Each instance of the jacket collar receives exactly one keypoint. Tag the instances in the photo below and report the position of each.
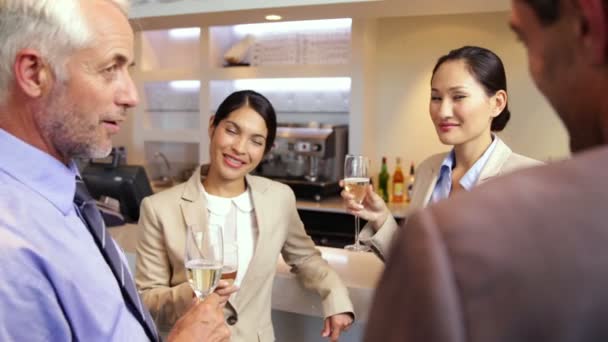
(192, 191)
(492, 168)
(495, 162)
(193, 208)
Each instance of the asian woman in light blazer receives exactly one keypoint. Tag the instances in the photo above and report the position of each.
(468, 103)
(261, 211)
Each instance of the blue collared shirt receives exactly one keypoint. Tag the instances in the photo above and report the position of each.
(468, 181)
(56, 285)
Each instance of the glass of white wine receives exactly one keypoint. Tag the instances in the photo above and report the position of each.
(204, 258)
(231, 262)
(356, 180)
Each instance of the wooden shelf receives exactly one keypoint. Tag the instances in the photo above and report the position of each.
(167, 75)
(280, 71)
(177, 136)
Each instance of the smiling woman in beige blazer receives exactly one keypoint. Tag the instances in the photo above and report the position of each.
(468, 103)
(262, 212)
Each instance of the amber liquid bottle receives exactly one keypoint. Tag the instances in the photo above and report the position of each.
(398, 184)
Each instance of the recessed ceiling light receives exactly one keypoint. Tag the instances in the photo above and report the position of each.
(273, 17)
(185, 85)
(293, 26)
(185, 33)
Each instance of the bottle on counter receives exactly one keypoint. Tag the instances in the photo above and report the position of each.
(398, 183)
(410, 183)
(383, 181)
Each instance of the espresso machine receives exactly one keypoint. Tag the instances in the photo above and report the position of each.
(309, 158)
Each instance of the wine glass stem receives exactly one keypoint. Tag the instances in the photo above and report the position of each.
(357, 233)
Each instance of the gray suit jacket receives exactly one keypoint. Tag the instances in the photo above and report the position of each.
(161, 276)
(522, 258)
(501, 161)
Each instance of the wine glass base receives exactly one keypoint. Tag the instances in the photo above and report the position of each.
(357, 248)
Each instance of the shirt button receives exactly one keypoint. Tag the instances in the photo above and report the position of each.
(231, 320)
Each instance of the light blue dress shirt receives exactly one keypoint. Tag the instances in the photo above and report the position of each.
(468, 181)
(56, 285)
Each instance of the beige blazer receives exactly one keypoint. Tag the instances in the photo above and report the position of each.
(501, 161)
(161, 277)
(522, 258)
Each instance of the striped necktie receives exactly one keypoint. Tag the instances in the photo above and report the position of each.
(90, 215)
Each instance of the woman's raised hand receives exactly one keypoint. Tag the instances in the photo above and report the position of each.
(372, 209)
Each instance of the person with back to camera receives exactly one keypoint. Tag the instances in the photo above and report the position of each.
(468, 103)
(65, 89)
(522, 258)
(263, 214)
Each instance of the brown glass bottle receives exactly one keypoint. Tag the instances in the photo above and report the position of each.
(410, 183)
(398, 183)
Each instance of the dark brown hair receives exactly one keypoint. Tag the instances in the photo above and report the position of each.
(547, 11)
(487, 68)
(255, 101)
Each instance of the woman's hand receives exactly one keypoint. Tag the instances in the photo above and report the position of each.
(373, 209)
(335, 325)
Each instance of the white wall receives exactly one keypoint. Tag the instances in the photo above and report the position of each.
(396, 103)
(407, 49)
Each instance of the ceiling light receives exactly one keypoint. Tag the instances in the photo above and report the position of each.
(185, 33)
(273, 17)
(185, 85)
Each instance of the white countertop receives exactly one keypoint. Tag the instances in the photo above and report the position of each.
(359, 270)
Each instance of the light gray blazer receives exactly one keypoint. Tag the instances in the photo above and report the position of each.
(501, 161)
(161, 277)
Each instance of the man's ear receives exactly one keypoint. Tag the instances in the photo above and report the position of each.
(593, 30)
(32, 74)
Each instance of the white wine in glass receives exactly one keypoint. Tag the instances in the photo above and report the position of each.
(356, 187)
(203, 276)
(204, 258)
(356, 181)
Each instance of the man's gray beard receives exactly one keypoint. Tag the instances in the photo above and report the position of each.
(92, 153)
(58, 123)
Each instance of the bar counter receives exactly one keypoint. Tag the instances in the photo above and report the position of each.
(359, 271)
(335, 205)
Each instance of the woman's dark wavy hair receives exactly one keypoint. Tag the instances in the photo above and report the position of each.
(487, 68)
(255, 101)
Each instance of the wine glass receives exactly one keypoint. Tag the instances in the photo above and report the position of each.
(231, 262)
(356, 181)
(204, 258)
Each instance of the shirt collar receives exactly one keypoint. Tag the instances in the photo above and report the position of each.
(221, 205)
(470, 178)
(39, 171)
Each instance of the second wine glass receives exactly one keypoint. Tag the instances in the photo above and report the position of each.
(231, 262)
(204, 258)
(356, 180)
